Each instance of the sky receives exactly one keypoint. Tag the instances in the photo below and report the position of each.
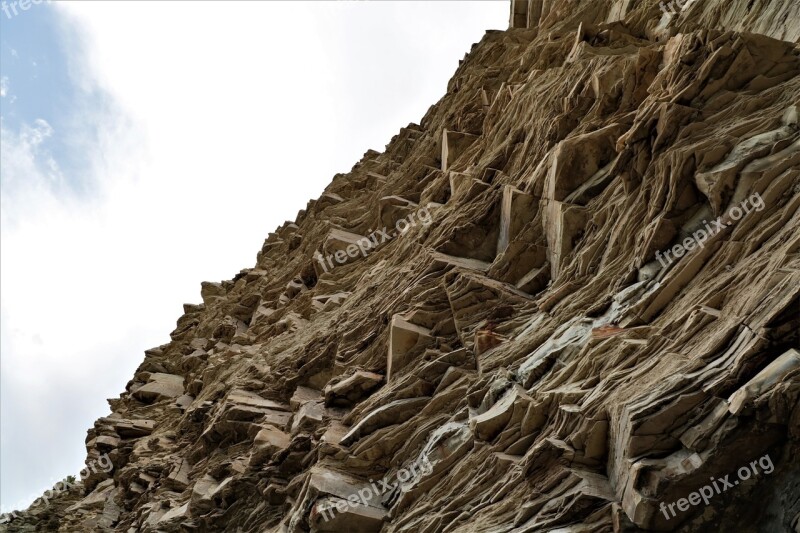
(149, 146)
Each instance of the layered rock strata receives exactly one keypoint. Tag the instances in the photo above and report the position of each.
(599, 316)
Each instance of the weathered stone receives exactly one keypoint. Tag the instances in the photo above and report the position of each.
(327, 516)
(490, 423)
(303, 395)
(454, 144)
(238, 417)
(133, 428)
(336, 503)
(393, 208)
(308, 417)
(178, 477)
(184, 401)
(250, 399)
(97, 498)
(393, 413)
(573, 342)
(404, 337)
(518, 209)
(350, 390)
(202, 495)
(160, 387)
(105, 442)
(175, 514)
(564, 223)
(340, 247)
(765, 381)
(271, 439)
(210, 291)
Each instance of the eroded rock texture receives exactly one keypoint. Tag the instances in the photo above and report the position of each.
(523, 339)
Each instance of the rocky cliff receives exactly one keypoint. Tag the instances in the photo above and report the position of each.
(567, 300)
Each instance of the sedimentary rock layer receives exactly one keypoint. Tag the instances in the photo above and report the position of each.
(566, 300)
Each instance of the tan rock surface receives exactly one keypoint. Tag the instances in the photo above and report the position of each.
(530, 344)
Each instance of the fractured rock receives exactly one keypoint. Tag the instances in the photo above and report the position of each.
(350, 390)
(567, 344)
(160, 387)
(268, 441)
(774, 373)
(490, 423)
(404, 338)
(454, 144)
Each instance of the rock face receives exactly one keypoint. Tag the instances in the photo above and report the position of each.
(587, 320)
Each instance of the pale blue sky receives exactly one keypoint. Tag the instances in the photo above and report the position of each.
(149, 146)
(35, 53)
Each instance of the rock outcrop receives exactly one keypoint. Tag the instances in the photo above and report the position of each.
(582, 309)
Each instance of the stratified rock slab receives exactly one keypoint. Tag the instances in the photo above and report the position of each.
(599, 319)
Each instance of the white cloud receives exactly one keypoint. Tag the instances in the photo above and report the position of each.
(3, 86)
(230, 117)
(28, 169)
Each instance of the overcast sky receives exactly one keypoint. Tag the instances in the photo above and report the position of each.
(149, 146)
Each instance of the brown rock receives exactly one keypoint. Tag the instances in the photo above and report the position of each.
(566, 343)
